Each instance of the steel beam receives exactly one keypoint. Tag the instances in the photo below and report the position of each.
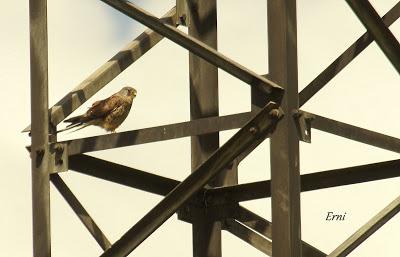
(284, 153)
(80, 211)
(345, 58)
(249, 236)
(152, 183)
(258, 99)
(309, 182)
(368, 229)
(107, 72)
(40, 154)
(155, 134)
(122, 175)
(261, 126)
(374, 24)
(203, 76)
(264, 227)
(199, 48)
(356, 133)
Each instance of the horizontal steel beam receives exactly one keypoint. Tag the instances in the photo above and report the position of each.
(250, 191)
(121, 174)
(160, 133)
(80, 211)
(309, 182)
(261, 126)
(356, 133)
(264, 227)
(345, 58)
(249, 236)
(374, 24)
(200, 49)
(162, 186)
(107, 72)
(138, 179)
(368, 229)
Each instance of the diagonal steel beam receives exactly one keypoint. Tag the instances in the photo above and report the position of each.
(249, 236)
(368, 229)
(80, 211)
(309, 182)
(356, 133)
(160, 133)
(261, 126)
(374, 24)
(107, 72)
(156, 184)
(152, 183)
(200, 49)
(264, 227)
(121, 174)
(345, 58)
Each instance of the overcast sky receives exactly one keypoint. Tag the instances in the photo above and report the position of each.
(85, 34)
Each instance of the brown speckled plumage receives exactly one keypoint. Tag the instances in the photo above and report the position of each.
(108, 113)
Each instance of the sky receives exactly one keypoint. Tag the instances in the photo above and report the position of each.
(85, 34)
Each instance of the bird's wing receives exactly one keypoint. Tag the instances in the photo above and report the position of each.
(102, 108)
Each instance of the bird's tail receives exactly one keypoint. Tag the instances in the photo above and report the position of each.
(76, 122)
(70, 126)
(78, 126)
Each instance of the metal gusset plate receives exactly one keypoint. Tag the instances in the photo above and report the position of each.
(303, 125)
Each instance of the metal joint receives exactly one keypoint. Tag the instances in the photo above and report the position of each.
(59, 155)
(303, 125)
(39, 157)
(192, 212)
(194, 208)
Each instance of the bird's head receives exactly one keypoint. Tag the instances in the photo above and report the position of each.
(128, 91)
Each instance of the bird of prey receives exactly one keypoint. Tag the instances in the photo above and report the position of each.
(107, 114)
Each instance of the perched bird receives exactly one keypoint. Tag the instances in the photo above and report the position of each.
(107, 114)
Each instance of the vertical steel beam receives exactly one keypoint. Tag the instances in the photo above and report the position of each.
(206, 234)
(285, 175)
(41, 164)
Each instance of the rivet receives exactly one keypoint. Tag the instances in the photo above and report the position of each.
(253, 130)
(274, 113)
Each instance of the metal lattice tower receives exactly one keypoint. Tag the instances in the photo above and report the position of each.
(275, 113)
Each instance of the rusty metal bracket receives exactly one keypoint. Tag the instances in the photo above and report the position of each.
(303, 124)
(59, 155)
(182, 13)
